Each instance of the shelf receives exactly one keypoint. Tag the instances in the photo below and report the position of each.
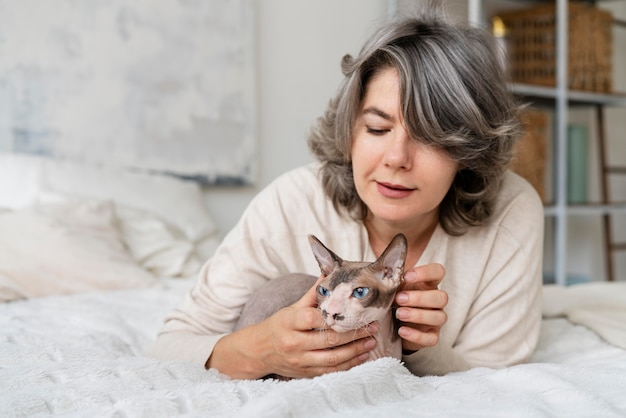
(549, 94)
(588, 209)
(560, 99)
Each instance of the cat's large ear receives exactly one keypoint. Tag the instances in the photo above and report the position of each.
(390, 264)
(326, 259)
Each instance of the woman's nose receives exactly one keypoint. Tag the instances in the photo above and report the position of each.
(398, 152)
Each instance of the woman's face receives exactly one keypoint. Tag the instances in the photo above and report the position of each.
(401, 180)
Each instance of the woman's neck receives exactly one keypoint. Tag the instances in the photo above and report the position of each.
(418, 235)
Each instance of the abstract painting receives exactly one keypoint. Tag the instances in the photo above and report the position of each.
(153, 85)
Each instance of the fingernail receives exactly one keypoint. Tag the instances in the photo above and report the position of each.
(410, 276)
(364, 357)
(402, 313)
(370, 344)
(404, 332)
(402, 297)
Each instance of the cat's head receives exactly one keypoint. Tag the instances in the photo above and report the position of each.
(353, 294)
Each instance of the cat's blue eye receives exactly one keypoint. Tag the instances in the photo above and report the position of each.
(323, 291)
(360, 292)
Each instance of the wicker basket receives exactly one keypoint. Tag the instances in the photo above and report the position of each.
(531, 46)
(529, 158)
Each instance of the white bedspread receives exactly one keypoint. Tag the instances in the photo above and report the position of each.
(600, 306)
(82, 355)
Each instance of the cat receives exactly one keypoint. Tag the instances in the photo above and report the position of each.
(351, 294)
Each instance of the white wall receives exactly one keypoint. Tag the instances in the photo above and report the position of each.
(300, 44)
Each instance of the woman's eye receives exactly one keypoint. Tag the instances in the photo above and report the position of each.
(323, 291)
(377, 132)
(360, 292)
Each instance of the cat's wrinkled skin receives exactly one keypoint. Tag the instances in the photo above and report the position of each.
(351, 294)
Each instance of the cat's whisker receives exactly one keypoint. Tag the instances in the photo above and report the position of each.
(366, 328)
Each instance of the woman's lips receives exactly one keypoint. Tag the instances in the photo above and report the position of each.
(393, 191)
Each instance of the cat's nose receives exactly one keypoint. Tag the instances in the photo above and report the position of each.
(334, 316)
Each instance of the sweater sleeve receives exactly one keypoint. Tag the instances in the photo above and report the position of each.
(494, 307)
(269, 241)
(503, 324)
(259, 248)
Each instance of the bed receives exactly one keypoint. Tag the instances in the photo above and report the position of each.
(87, 274)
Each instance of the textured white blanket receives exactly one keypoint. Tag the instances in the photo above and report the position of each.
(600, 306)
(82, 355)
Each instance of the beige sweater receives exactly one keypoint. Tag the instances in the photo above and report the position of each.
(493, 274)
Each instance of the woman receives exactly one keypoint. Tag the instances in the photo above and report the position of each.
(416, 141)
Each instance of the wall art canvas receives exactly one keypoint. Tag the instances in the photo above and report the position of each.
(154, 85)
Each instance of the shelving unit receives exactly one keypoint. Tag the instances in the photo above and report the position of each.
(574, 97)
(597, 101)
(562, 99)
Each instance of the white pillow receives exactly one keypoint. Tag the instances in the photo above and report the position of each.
(157, 246)
(59, 249)
(178, 202)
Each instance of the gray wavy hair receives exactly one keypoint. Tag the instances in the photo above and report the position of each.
(454, 97)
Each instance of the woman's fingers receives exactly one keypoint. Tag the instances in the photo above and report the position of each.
(313, 352)
(428, 299)
(426, 277)
(302, 346)
(416, 337)
(310, 323)
(427, 317)
(303, 319)
(420, 327)
(345, 357)
(420, 305)
(338, 358)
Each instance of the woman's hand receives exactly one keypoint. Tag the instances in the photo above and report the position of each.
(291, 343)
(420, 307)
